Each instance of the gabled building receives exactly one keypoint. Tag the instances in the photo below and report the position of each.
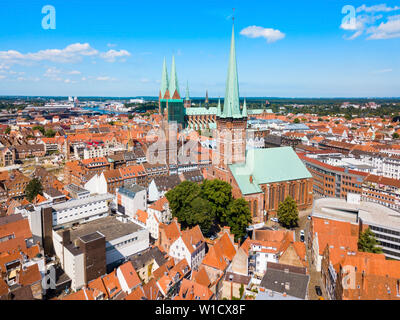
(188, 244)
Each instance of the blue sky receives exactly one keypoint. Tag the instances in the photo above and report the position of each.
(284, 48)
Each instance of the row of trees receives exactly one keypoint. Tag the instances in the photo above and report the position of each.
(209, 205)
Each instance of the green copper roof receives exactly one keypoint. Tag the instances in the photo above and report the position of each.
(258, 111)
(219, 108)
(164, 79)
(244, 111)
(267, 166)
(231, 101)
(195, 111)
(173, 84)
(187, 91)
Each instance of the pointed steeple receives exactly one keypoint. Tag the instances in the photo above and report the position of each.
(244, 110)
(173, 84)
(187, 91)
(164, 80)
(231, 101)
(219, 108)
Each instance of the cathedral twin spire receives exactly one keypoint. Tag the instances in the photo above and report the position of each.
(171, 86)
(231, 102)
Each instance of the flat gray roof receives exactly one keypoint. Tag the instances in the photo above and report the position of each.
(79, 202)
(368, 212)
(109, 226)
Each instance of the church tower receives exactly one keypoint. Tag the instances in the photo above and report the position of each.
(171, 105)
(187, 102)
(231, 121)
(164, 93)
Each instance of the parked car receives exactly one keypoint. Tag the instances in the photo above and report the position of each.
(275, 219)
(309, 217)
(318, 291)
(302, 232)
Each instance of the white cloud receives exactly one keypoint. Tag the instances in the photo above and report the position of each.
(2, 77)
(361, 23)
(377, 8)
(382, 71)
(271, 35)
(56, 74)
(386, 30)
(70, 54)
(105, 78)
(112, 54)
(51, 72)
(111, 45)
(366, 23)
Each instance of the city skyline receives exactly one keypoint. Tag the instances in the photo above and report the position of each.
(105, 51)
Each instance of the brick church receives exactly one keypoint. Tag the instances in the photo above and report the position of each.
(263, 177)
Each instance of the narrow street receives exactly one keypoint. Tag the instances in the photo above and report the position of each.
(315, 276)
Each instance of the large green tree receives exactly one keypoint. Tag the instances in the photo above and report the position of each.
(201, 213)
(209, 205)
(219, 194)
(50, 133)
(239, 217)
(33, 188)
(368, 243)
(288, 214)
(180, 199)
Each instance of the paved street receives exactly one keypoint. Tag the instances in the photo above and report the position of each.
(315, 277)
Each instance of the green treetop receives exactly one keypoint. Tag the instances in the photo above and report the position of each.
(288, 214)
(368, 243)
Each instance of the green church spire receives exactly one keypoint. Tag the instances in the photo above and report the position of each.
(187, 91)
(231, 101)
(173, 85)
(164, 80)
(244, 110)
(219, 108)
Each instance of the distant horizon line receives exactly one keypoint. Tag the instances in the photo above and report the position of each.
(191, 98)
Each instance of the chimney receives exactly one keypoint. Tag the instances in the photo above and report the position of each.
(66, 237)
(76, 242)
